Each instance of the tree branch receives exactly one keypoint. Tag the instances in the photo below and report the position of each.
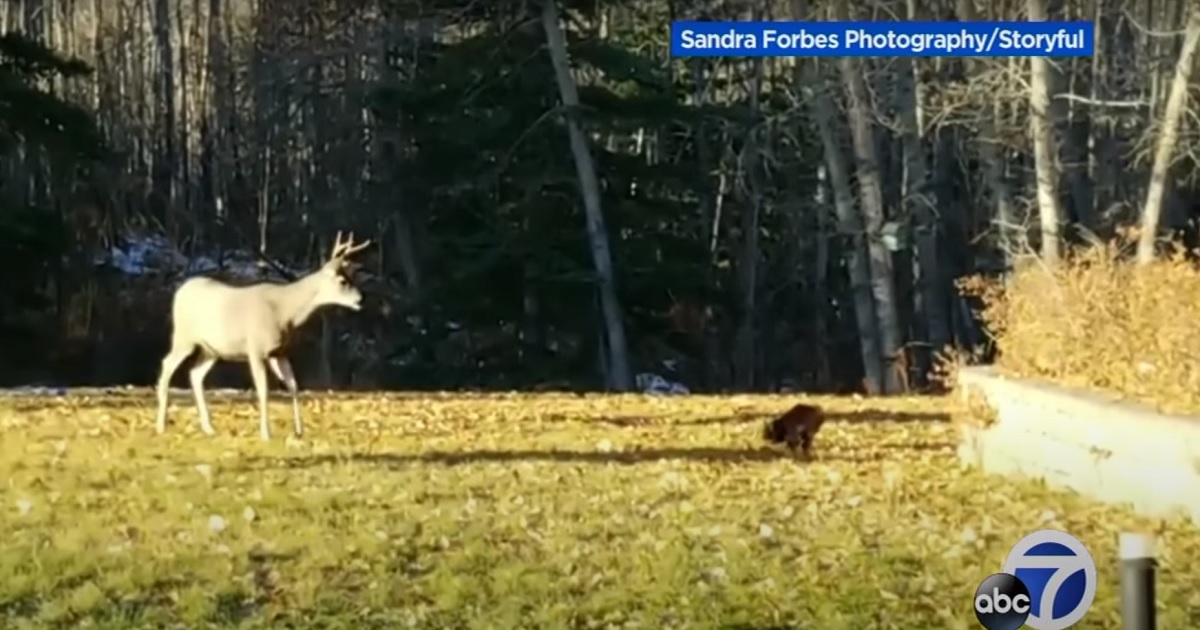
(1097, 103)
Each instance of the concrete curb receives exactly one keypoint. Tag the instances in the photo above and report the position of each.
(1100, 446)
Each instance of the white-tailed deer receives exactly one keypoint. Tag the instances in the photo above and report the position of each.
(250, 324)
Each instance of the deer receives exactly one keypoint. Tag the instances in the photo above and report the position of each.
(252, 324)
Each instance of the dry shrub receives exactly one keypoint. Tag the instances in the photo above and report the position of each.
(946, 364)
(1102, 323)
(965, 411)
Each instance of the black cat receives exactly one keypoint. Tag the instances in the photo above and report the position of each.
(797, 428)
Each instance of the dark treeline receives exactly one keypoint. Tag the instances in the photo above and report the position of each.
(555, 202)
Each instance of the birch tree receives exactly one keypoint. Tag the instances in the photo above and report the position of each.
(871, 204)
(922, 210)
(164, 157)
(1044, 147)
(850, 225)
(1168, 137)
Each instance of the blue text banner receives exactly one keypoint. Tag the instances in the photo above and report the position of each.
(882, 39)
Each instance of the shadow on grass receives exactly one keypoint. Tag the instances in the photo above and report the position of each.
(232, 606)
(25, 604)
(155, 596)
(120, 400)
(884, 416)
(639, 456)
(116, 400)
(46, 403)
(239, 604)
(746, 626)
(881, 416)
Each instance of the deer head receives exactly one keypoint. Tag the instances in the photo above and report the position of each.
(335, 285)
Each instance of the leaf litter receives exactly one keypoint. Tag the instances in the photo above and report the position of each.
(522, 511)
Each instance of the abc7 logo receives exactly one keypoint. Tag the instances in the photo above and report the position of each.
(1002, 602)
(1048, 570)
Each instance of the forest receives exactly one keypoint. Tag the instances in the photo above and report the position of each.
(555, 202)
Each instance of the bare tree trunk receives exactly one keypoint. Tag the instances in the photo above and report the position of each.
(820, 322)
(932, 307)
(1005, 217)
(164, 157)
(709, 191)
(744, 355)
(1072, 122)
(620, 377)
(703, 150)
(1077, 130)
(34, 20)
(1105, 159)
(1167, 139)
(1044, 147)
(851, 227)
(871, 204)
(214, 118)
(99, 85)
(188, 59)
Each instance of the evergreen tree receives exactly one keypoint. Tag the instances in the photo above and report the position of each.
(489, 162)
(43, 139)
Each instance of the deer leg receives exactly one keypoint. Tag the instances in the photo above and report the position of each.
(196, 376)
(283, 370)
(258, 373)
(170, 364)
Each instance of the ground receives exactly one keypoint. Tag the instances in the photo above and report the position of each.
(520, 511)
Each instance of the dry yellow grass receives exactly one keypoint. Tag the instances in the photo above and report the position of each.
(518, 511)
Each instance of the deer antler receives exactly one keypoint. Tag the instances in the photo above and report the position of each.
(343, 249)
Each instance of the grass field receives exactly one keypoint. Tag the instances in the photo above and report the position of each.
(519, 511)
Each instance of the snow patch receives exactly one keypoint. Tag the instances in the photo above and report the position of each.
(145, 254)
(655, 385)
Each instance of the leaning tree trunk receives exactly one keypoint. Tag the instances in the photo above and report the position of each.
(1152, 211)
(620, 376)
(851, 228)
(1044, 148)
